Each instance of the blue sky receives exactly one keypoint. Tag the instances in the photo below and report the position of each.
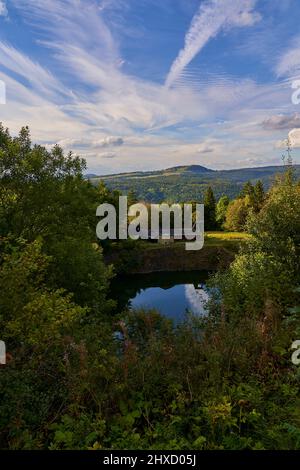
(148, 84)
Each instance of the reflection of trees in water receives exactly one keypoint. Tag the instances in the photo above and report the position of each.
(196, 297)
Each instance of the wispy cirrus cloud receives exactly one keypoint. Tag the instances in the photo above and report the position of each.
(3, 8)
(289, 61)
(212, 17)
(58, 18)
(31, 72)
(91, 59)
(100, 96)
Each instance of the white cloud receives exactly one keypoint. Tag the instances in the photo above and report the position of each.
(109, 141)
(281, 121)
(108, 155)
(212, 17)
(203, 149)
(294, 137)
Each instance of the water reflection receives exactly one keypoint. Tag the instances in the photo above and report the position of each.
(173, 294)
(196, 298)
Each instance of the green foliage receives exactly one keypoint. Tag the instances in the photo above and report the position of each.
(237, 214)
(248, 190)
(30, 312)
(259, 196)
(209, 209)
(221, 210)
(251, 200)
(254, 194)
(43, 194)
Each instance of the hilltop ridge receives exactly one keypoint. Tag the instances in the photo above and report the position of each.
(188, 182)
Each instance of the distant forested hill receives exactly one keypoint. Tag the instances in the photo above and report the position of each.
(188, 183)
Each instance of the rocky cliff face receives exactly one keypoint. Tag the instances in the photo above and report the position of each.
(171, 258)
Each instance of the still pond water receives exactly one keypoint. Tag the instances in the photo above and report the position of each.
(173, 294)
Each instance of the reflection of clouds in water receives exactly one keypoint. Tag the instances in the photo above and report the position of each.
(196, 299)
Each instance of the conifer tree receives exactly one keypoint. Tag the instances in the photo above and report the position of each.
(209, 209)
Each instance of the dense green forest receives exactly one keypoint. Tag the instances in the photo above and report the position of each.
(82, 375)
(188, 183)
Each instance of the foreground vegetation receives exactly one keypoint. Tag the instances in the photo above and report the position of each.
(80, 375)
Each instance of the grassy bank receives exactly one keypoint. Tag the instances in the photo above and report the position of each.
(225, 239)
(218, 239)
